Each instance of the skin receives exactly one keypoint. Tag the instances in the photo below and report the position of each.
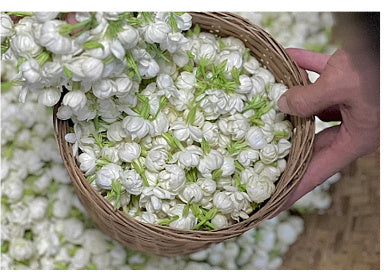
(347, 91)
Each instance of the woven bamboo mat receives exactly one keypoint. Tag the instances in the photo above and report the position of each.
(346, 236)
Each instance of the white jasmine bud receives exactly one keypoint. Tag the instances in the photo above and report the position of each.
(107, 174)
(186, 80)
(228, 167)
(172, 178)
(156, 32)
(210, 162)
(207, 185)
(246, 157)
(49, 96)
(123, 85)
(251, 65)
(223, 202)
(38, 208)
(24, 45)
(191, 193)
(235, 125)
(30, 70)
(129, 151)
(220, 221)
(255, 138)
(259, 87)
(104, 88)
(86, 68)
(110, 153)
(132, 182)
(190, 157)
(75, 100)
(137, 127)
(183, 131)
(156, 158)
(269, 153)
(52, 40)
(246, 84)
(183, 222)
(87, 161)
(259, 191)
(160, 124)
(265, 75)
(148, 68)
(115, 132)
(21, 249)
(213, 102)
(174, 42)
(211, 133)
(234, 59)
(283, 147)
(129, 37)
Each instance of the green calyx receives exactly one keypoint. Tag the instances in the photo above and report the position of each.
(218, 79)
(43, 57)
(162, 103)
(143, 107)
(136, 165)
(167, 221)
(132, 66)
(154, 50)
(92, 45)
(237, 146)
(173, 141)
(4, 246)
(5, 45)
(217, 174)
(280, 135)
(205, 147)
(5, 86)
(67, 72)
(204, 216)
(237, 183)
(191, 175)
(173, 22)
(116, 191)
(20, 13)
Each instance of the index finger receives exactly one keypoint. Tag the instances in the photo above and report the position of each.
(309, 60)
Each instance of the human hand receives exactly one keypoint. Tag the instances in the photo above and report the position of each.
(346, 91)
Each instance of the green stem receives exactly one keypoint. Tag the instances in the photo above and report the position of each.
(162, 102)
(136, 165)
(67, 29)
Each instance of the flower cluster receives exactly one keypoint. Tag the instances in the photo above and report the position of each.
(172, 125)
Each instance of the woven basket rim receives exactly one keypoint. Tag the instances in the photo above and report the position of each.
(304, 135)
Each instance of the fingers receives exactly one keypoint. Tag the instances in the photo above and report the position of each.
(307, 100)
(308, 60)
(331, 154)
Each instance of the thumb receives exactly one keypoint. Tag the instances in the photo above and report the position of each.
(307, 100)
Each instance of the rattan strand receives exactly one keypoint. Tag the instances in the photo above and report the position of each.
(167, 241)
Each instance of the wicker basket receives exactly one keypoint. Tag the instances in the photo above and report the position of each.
(167, 241)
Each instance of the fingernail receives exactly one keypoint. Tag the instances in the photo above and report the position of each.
(283, 104)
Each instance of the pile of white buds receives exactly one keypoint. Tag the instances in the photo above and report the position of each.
(172, 125)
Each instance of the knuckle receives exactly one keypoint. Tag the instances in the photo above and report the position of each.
(299, 105)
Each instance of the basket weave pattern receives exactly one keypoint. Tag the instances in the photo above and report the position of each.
(167, 241)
